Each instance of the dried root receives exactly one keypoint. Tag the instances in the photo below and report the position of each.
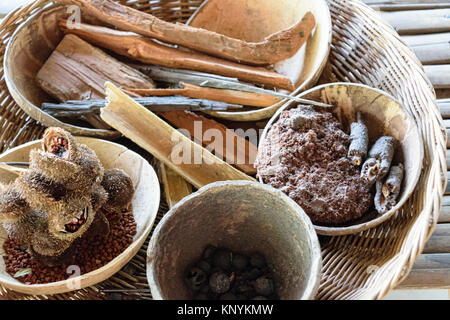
(388, 192)
(376, 167)
(359, 142)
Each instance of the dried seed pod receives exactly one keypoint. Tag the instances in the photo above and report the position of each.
(72, 219)
(64, 160)
(120, 189)
(377, 164)
(60, 143)
(388, 192)
(40, 192)
(99, 227)
(46, 244)
(359, 142)
(98, 198)
(21, 230)
(13, 205)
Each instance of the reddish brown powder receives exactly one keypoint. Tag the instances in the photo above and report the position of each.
(305, 156)
(91, 252)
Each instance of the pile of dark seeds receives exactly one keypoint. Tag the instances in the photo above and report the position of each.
(225, 275)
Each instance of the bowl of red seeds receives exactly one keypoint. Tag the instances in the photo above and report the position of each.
(92, 257)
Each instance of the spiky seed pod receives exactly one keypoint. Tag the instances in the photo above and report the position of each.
(120, 189)
(51, 261)
(72, 219)
(13, 205)
(99, 227)
(46, 244)
(22, 230)
(54, 168)
(59, 142)
(91, 169)
(98, 198)
(41, 193)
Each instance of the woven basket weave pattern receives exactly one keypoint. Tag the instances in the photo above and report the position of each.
(366, 50)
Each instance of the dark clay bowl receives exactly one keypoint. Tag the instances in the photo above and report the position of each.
(244, 217)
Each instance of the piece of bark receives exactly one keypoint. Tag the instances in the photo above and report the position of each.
(78, 71)
(233, 149)
(275, 48)
(190, 160)
(229, 96)
(175, 187)
(148, 51)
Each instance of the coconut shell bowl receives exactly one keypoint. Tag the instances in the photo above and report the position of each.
(383, 116)
(144, 205)
(242, 216)
(253, 20)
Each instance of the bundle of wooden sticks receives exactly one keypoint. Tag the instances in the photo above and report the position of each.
(208, 71)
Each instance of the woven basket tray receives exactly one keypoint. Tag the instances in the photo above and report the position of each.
(364, 50)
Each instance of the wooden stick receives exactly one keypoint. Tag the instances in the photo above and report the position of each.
(275, 48)
(146, 50)
(78, 108)
(225, 144)
(193, 162)
(229, 96)
(175, 187)
(201, 79)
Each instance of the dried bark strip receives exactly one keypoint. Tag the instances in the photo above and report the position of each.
(146, 50)
(233, 151)
(276, 47)
(229, 96)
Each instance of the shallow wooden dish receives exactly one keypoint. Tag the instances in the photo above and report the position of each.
(253, 20)
(145, 208)
(383, 115)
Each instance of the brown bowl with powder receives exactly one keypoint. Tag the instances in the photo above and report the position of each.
(350, 166)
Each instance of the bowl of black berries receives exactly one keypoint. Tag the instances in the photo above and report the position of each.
(234, 240)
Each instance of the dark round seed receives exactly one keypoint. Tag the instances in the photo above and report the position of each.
(263, 286)
(219, 282)
(257, 260)
(205, 266)
(240, 262)
(253, 274)
(195, 278)
(222, 259)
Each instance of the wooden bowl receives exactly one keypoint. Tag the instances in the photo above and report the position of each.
(242, 216)
(383, 115)
(253, 20)
(145, 207)
(30, 46)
